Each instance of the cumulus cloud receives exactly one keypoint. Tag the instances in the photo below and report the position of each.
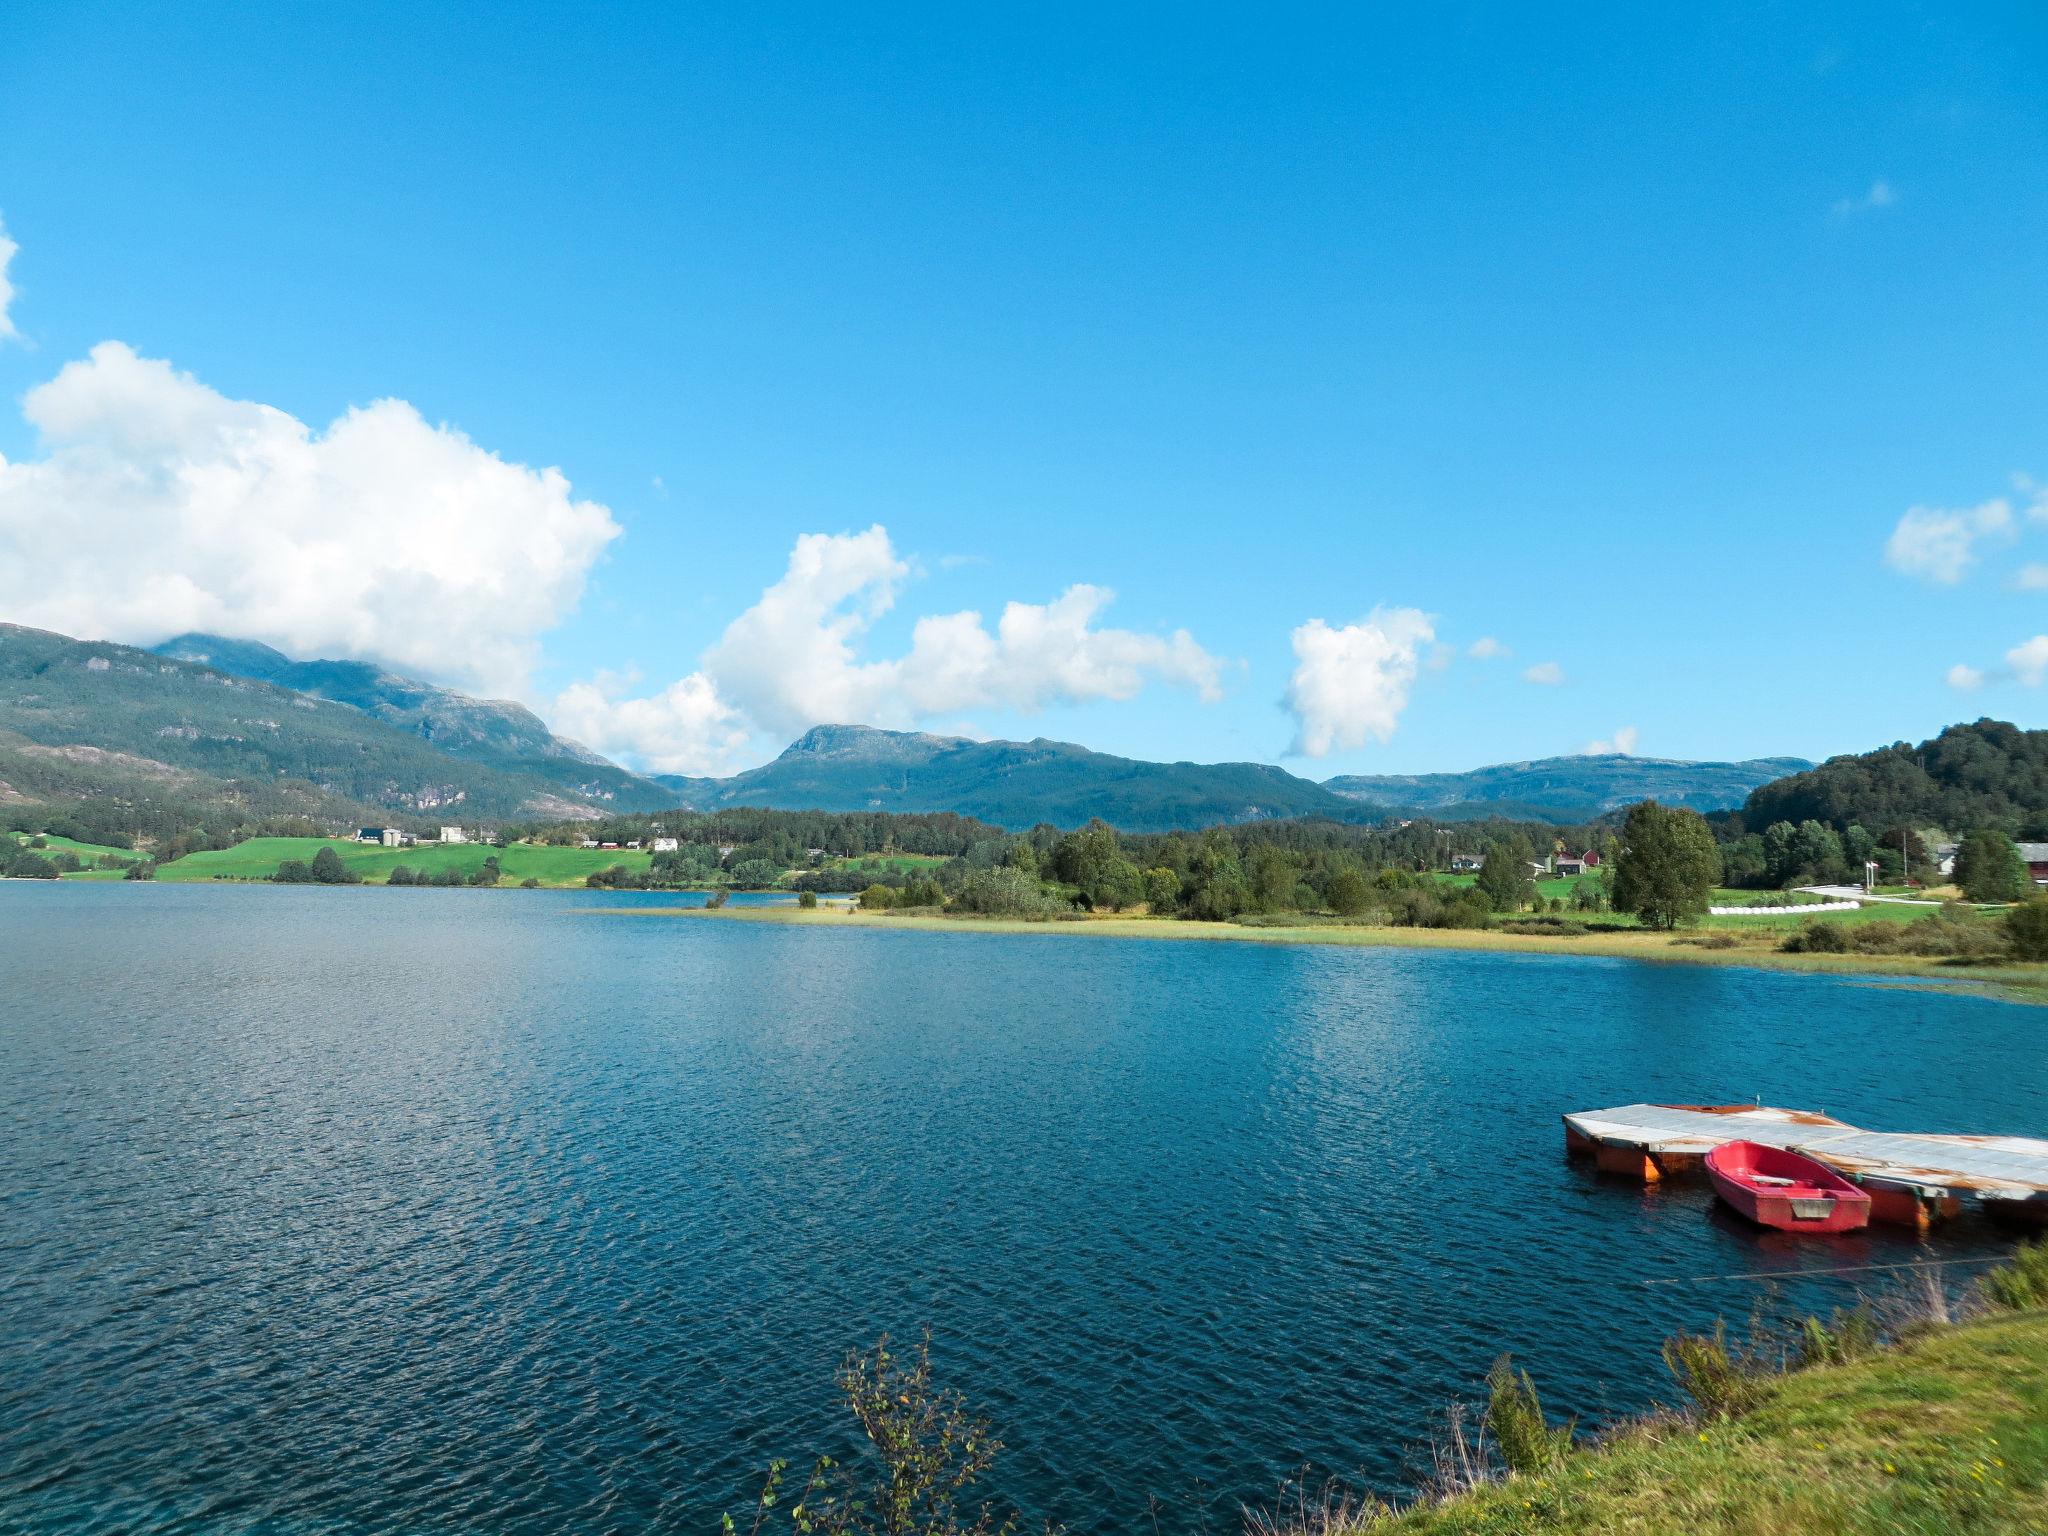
(1965, 679)
(795, 658)
(1547, 674)
(1880, 195)
(158, 504)
(685, 728)
(2029, 661)
(7, 252)
(1486, 648)
(1351, 684)
(1939, 544)
(1623, 744)
(2032, 577)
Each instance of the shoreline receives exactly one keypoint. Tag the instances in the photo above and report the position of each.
(2021, 983)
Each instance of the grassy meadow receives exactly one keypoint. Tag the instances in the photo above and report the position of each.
(258, 858)
(1946, 1433)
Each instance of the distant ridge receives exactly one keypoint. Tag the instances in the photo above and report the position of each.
(1012, 784)
(1015, 784)
(1569, 788)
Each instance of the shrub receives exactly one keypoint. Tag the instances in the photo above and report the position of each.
(401, 874)
(450, 876)
(808, 900)
(716, 900)
(141, 869)
(529, 884)
(929, 1448)
(1814, 937)
(1722, 1384)
(1514, 1416)
(878, 898)
(2026, 929)
(2021, 1285)
(1850, 1334)
(1007, 892)
(293, 872)
(488, 873)
(327, 869)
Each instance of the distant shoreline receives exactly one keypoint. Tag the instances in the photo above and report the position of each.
(2023, 983)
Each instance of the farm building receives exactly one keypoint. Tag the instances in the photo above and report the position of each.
(454, 835)
(1468, 863)
(666, 844)
(2036, 855)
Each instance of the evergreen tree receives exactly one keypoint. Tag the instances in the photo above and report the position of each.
(1989, 867)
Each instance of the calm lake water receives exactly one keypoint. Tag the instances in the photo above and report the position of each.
(367, 1210)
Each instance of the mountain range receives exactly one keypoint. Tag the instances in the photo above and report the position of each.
(206, 729)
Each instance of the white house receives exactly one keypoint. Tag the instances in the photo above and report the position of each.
(391, 837)
(454, 835)
(1468, 863)
(666, 844)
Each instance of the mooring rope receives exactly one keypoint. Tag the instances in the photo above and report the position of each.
(1801, 1274)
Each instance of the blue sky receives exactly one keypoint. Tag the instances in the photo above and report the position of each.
(1624, 340)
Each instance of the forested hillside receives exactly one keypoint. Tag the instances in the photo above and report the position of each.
(1985, 774)
(120, 742)
(496, 732)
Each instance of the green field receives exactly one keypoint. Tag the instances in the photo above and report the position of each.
(258, 858)
(90, 853)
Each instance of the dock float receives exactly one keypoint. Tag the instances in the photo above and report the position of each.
(1912, 1180)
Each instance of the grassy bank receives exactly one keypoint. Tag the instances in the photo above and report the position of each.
(2028, 983)
(1945, 1433)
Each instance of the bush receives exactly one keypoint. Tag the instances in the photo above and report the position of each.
(716, 900)
(928, 1451)
(328, 869)
(529, 884)
(2022, 1285)
(1722, 1384)
(141, 869)
(293, 872)
(450, 876)
(807, 900)
(1514, 1415)
(1814, 937)
(878, 898)
(1007, 892)
(488, 873)
(2026, 929)
(30, 866)
(401, 874)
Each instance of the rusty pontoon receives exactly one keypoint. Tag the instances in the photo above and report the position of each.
(1912, 1180)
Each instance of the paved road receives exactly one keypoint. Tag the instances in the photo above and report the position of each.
(1857, 893)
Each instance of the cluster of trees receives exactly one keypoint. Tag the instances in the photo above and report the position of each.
(326, 869)
(1813, 852)
(487, 873)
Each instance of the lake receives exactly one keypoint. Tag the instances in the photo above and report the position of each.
(374, 1210)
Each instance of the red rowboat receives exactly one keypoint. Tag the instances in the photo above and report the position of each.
(1781, 1189)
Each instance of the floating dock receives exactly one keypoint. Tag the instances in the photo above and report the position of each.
(1912, 1180)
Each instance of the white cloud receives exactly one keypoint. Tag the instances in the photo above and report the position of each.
(1486, 648)
(685, 728)
(1940, 543)
(1880, 195)
(2029, 661)
(1964, 679)
(7, 253)
(1546, 673)
(1622, 745)
(1351, 684)
(794, 660)
(159, 505)
(2031, 578)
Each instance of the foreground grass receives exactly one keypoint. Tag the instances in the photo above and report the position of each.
(2024, 983)
(258, 858)
(1944, 1434)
